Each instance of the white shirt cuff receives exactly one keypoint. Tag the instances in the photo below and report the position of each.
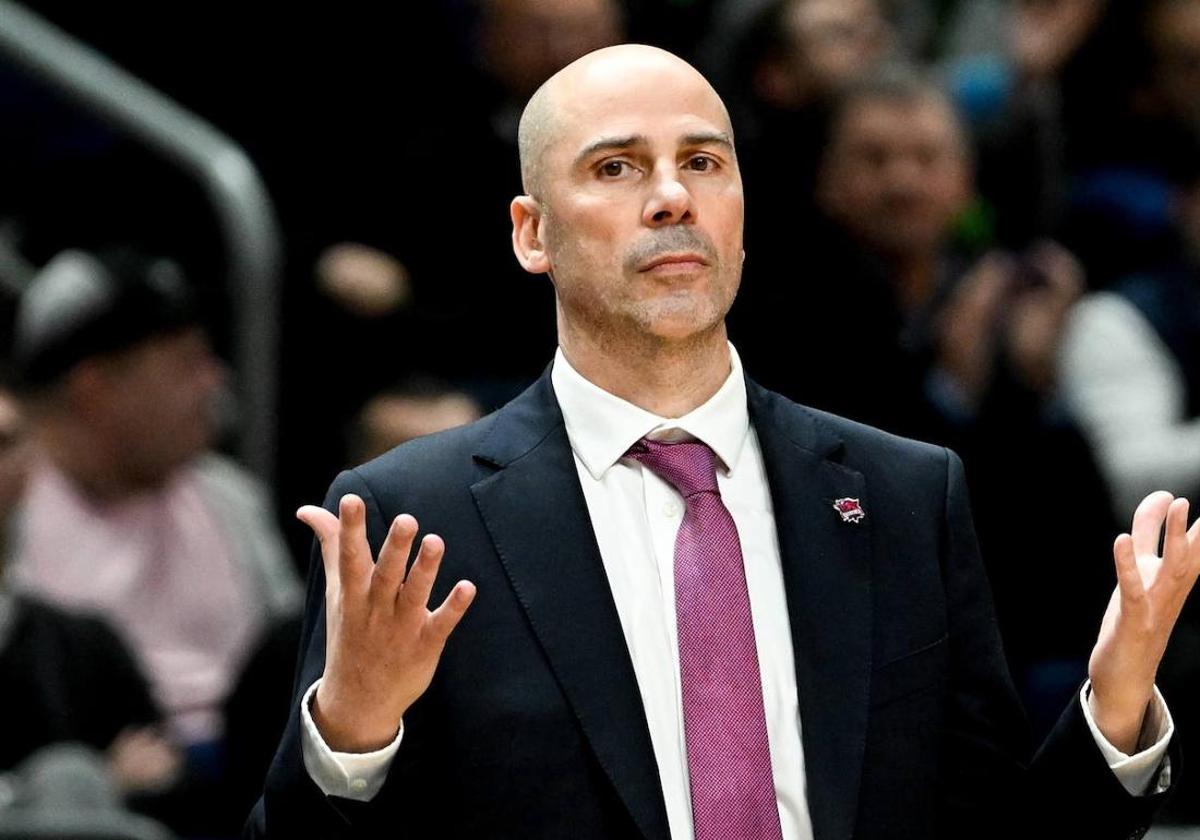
(1137, 772)
(357, 776)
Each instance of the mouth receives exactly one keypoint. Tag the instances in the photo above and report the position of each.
(675, 262)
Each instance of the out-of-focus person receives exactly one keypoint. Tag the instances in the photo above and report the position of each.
(52, 660)
(410, 409)
(789, 66)
(127, 511)
(1131, 364)
(921, 337)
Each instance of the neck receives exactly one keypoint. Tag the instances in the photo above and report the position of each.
(663, 377)
(915, 279)
(86, 463)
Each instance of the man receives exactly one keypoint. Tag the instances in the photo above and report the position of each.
(855, 669)
(125, 512)
(51, 661)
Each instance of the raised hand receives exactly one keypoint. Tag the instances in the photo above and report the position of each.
(1150, 594)
(382, 643)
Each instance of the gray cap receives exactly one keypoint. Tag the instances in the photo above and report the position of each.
(82, 305)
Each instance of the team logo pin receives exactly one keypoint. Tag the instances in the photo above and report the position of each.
(849, 509)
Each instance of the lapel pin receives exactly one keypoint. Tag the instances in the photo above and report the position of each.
(850, 510)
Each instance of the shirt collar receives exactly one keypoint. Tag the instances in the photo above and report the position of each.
(601, 426)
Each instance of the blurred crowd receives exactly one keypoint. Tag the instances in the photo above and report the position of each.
(974, 222)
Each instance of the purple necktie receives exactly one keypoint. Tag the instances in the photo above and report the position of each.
(729, 761)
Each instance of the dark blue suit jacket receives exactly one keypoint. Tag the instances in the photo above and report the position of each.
(533, 726)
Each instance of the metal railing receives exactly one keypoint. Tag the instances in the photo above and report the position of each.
(232, 184)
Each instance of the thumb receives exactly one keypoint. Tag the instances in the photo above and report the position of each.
(325, 527)
(446, 617)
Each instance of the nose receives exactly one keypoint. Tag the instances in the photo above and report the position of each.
(669, 203)
(905, 172)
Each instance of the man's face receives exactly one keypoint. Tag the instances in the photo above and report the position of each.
(833, 42)
(157, 402)
(641, 204)
(896, 174)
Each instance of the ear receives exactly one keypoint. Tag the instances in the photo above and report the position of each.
(527, 235)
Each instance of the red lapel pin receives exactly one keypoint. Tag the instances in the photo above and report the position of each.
(849, 509)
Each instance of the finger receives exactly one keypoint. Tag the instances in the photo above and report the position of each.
(446, 617)
(991, 282)
(1129, 579)
(1175, 544)
(424, 571)
(1148, 522)
(324, 526)
(354, 555)
(393, 557)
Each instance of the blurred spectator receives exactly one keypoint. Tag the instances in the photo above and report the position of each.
(51, 662)
(793, 60)
(789, 64)
(127, 513)
(1026, 98)
(913, 335)
(411, 409)
(1131, 366)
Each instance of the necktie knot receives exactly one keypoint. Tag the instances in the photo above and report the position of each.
(688, 466)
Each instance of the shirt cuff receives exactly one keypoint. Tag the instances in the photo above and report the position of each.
(1137, 773)
(357, 776)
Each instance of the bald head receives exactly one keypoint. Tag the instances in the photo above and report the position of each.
(597, 74)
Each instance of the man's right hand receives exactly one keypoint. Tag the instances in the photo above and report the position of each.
(382, 642)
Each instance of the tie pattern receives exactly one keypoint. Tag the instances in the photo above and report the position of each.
(729, 760)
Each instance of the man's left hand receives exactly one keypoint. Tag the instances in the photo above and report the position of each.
(1150, 594)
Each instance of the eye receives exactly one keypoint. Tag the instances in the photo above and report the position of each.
(613, 168)
(701, 163)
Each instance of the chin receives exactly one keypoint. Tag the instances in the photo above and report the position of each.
(683, 326)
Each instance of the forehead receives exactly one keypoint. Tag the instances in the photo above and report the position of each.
(662, 102)
(920, 119)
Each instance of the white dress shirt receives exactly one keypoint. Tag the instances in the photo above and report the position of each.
(635, 516)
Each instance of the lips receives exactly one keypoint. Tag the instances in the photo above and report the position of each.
(682, 260)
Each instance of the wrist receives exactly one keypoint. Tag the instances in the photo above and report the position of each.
(1121, 719)
(345, 729)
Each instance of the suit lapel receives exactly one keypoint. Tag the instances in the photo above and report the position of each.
(826, 571)
(535, 513)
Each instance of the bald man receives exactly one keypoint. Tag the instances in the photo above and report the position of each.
(685, 607)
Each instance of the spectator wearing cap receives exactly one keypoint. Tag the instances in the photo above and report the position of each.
(127, 511)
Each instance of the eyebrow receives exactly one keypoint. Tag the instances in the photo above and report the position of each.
(620, 143)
